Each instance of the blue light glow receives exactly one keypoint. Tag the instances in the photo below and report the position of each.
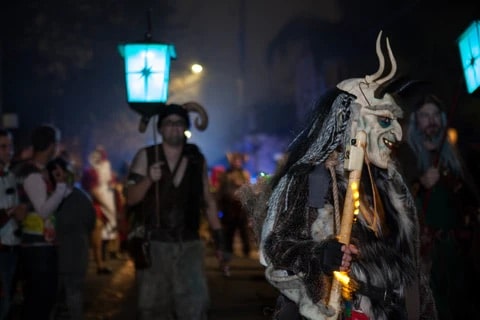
(147, 71)
(469, 46)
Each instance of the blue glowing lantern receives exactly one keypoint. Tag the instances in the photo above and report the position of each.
(469, 45)
(147, 72)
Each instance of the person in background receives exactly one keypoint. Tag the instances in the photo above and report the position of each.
(120, 247)
(75, 219)
(11, 214)
(168, 184)
(234, 218)
(97, 180)
(39, 251)
(447, 204)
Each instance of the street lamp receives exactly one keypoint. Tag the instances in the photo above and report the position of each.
(147, 73)
(469, 46)
(196, 68)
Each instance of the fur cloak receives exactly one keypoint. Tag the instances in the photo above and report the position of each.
(293, 225)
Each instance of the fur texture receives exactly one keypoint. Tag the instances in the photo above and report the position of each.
(293, 234)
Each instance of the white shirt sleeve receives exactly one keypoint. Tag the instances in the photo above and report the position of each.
(36, 190)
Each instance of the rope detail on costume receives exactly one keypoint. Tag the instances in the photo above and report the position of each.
(330, 164)
(374, 191)
(375, 218)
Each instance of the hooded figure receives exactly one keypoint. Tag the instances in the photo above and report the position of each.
(298, 213)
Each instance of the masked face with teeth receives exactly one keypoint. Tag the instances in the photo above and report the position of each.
(380, 123)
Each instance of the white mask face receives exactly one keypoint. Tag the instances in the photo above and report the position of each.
(383, 130)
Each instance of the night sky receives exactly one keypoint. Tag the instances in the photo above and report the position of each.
(59, 63)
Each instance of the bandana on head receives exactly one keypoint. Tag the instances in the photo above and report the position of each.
(170, 109)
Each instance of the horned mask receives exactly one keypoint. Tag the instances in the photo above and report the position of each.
(375, 111)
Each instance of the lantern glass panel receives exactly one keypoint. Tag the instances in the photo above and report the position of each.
(469, 46)
(147, 71)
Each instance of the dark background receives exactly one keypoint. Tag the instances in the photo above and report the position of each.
(59, 64)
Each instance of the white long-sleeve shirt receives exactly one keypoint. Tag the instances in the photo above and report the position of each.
(36, 190)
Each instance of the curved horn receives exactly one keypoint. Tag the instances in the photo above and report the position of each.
(394, 66)
(201, 122)
(381, 60)
(411, 84)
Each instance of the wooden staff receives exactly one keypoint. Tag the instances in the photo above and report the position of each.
(354, 163)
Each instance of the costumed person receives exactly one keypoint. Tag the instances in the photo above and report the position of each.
(122, 217)
(169, 188)
(215, 173)
(234, 218)
(75, 219)
(447, 203)
(11, 215)
(343, 157)
(38, 254)
(97, 180)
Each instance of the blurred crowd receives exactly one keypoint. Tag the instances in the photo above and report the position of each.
(56, 217)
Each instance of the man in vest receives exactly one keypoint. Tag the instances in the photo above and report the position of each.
(168, 184)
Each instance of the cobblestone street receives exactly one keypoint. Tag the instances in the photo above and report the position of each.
(243, 295)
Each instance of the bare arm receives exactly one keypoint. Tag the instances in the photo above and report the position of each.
(138, 180)
(136, 191)
(211, 210)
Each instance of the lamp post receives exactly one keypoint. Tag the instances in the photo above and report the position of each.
(469, 46)
(147, 73)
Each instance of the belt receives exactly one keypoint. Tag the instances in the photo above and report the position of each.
(385, 296)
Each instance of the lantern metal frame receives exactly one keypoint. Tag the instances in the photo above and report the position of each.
(147, 73)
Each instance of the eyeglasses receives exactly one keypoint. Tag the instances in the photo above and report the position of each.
(172, 123)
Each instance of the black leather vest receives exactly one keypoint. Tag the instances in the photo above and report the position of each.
(175, 217)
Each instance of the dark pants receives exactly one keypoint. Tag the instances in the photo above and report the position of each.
(286, 309)
(175, 286)
(39, 271)
(8, 265)
(233, 221)
(73, 285)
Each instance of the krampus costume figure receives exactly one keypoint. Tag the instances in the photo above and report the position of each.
(297, 211)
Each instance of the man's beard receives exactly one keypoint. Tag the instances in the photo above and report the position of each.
(433, 138)
(432, 132)
(174, 141)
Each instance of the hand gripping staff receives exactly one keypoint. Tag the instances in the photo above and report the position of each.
(354, 158)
